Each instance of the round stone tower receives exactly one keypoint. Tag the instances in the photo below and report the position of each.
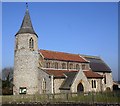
(26, 59)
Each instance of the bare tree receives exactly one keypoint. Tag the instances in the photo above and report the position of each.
(7, 71)
(7, 81)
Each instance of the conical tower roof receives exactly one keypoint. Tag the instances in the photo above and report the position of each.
(26, 26)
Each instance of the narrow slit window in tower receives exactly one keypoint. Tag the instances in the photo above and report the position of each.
(31, 43)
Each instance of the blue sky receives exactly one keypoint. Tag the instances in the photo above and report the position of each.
(82, 28)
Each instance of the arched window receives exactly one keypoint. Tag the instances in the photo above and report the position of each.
(44, 85)
(31, 43)
(77, 67)
(93, 83)
(63, 66)
(104, 76)
(83, 66)
(108, 89)
(71, 66)
(47, 65)
(56, 65)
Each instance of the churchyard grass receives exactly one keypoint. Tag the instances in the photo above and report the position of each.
(106, 97)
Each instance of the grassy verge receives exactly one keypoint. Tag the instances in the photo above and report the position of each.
(83, 98)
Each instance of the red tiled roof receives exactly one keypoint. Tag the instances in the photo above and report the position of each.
(91, 74)
(58, 73)
(62, 56)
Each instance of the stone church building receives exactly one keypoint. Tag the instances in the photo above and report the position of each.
(39, 71)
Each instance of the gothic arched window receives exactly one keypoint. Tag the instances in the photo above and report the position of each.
(56, 65)
(63, 66)
(93, 83)
(31, 43)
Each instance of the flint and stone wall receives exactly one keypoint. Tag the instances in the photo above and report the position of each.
(57, 84)
(98, 85)
(25, 64)
(48, 79)
(109, 81)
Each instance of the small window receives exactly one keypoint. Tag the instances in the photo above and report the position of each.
(71, 66)
(77, 67)
(44, 85)
(93, 83)
(56, 65)
(47, 65)
(104, 79)
(23, 90)
(63, 66)
(83, 67)
(31, 43)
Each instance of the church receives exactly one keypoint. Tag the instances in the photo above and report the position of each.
(38, 71)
